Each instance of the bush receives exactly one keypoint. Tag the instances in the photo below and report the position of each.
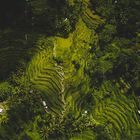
(107, 34)
(5, 91)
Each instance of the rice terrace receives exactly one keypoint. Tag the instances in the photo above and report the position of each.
(70, 70)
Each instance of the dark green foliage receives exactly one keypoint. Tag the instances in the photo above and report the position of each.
(82, 83)
(57, 3)
(102, 133)
(119, 57)
(124, 14)
(5, 91)
(107, 34)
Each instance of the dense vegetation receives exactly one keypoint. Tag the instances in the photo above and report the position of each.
(69, 70)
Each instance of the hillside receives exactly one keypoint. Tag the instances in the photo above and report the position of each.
(69, 73)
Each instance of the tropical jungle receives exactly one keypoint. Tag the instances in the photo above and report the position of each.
(69, 70)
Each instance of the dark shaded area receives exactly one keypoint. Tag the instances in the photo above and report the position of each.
(118, 54)
(123, 14)
(11, 12)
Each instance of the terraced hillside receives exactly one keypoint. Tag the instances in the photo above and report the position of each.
(118, 112)
(61, 71)
(46, 76)
(10, 58)
(61, 62)
(71, 56)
